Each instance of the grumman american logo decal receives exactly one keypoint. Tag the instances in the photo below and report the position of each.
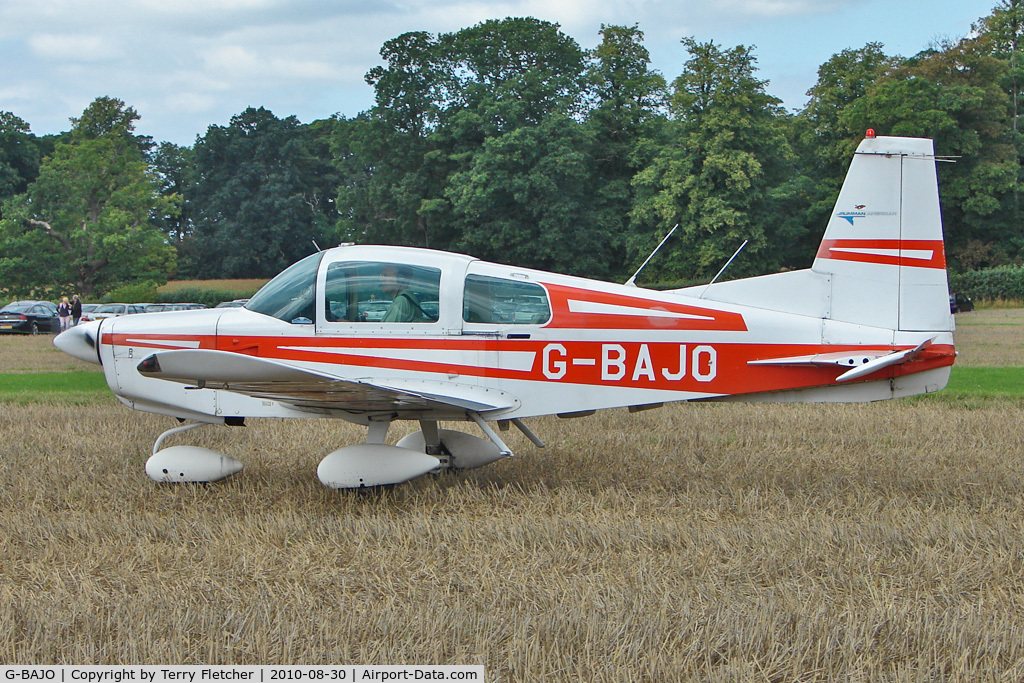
(859, 212)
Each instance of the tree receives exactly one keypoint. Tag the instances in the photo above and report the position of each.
(823, 140)
(842, 80)
(109, 117)
(626, 123)
(261, 196)
(172, 168)
(726, 176)
(87, 216)
(440, 102)
(20, 156)
(416, 86)
(517, 71)
(1000, 34)
(952, 94)
(392, 168)
(527, 199)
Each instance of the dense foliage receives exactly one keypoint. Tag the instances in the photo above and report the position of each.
(992, 284)
(506, 140)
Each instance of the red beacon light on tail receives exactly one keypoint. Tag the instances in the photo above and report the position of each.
(870, 133)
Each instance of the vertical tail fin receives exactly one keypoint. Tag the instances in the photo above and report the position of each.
(883, 248)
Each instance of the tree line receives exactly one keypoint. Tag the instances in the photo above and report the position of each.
(508, 141)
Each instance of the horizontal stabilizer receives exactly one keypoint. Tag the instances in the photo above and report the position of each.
(884, 362)
(860, 364)
(840, 358)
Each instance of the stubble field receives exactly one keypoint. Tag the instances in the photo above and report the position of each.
(722, 542)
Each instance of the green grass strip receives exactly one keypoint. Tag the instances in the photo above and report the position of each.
(45, 387)
(87, 386)
(987, 382)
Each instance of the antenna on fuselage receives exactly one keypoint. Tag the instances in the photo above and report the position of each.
(316, 245)
(719, 274)
(631, 282)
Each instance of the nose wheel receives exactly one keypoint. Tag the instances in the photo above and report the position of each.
(188, 464)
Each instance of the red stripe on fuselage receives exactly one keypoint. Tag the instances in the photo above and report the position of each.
(716, 368)
(589, 309)
(150, 340)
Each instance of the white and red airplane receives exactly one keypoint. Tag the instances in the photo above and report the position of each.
(374, 334)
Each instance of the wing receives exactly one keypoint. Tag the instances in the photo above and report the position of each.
(302, 387)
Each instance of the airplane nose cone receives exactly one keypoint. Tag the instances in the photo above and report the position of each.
(80, 341)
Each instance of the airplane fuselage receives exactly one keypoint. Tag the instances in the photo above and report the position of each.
(592, 345)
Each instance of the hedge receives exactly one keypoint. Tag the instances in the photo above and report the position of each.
(197, 295)
(1004, 282)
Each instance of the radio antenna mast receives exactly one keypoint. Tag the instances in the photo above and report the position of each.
(631, 282)
(734, 255)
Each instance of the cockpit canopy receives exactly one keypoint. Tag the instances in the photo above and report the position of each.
(359, 290)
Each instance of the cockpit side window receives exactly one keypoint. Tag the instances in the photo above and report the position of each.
(506, 302)
(290, 296)
(381, 293)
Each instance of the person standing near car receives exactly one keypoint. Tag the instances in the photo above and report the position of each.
(76, 310)
(64, 313)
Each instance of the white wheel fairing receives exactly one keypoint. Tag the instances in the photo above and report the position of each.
(190, 464)
(369, 464)
(468, 451)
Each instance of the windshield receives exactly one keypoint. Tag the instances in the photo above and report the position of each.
(289, 296)
(17, 308)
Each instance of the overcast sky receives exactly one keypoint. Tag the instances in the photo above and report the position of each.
(187, 64)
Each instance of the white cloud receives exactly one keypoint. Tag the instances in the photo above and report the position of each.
(185, 102)
(205, 7)
(782, 8)
(231, 61)
(242, 64)
(73, 48)
(305, 69)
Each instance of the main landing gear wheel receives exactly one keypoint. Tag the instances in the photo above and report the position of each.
(373, 464)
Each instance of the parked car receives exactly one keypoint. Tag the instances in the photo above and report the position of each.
(160, 308)
(87, 311)
(29, 317)
(958, 303)
(115, 310)
(236, 303)
(373, 311)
